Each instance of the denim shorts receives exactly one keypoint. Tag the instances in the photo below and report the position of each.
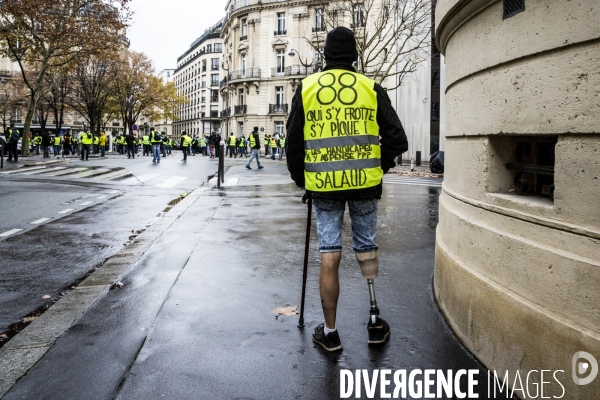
(330, 220)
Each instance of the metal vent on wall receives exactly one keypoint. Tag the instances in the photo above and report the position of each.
(513, 7)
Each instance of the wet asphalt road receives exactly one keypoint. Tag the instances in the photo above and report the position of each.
(193, 319)
(47, 258)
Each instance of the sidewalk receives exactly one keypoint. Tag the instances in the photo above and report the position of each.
(185, 312)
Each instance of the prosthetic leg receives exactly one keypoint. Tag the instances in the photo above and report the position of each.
(369, 267)
(379, 330)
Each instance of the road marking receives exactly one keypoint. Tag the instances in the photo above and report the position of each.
(43, 171)
(8, 233)
(87, 203)
(66, 211)
(67, 172)
(130, 181)
(172, 181)
(101, 197)
(39, 221)
(146, 177)
(113, 192)
(21, 170)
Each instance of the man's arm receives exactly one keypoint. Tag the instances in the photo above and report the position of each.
(393, 139)
(294, 145)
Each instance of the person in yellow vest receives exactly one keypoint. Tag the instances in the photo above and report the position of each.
(155, 140)
(273, 144)
(254, 141)
(186, 142)
(343, 160)
(267, 145)
(146, 144)
(96, 144)
(37, 140)
(12, 138)
(57, 141)
(102, 144)
(281, 146)
(86, 141)
(231, 147)
(203, 145)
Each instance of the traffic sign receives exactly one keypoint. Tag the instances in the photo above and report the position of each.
(134, 127)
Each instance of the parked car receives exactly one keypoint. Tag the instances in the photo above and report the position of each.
(5, 150)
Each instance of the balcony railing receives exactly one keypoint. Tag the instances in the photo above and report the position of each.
(319, 29)
(226, 113)
(223, 83)
(277, 71)
(298, 70)
(214, 99)
(239, 110)
(278, 108)
(245, 37)
(214, 114)
(280, 32)
(247, 73)
(214, 83)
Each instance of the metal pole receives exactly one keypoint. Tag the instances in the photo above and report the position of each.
(305, 271)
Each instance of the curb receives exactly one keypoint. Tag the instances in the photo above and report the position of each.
(28, 347)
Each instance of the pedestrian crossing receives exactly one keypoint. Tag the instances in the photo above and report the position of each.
(77, 204)
(413, 181)
(119, 176)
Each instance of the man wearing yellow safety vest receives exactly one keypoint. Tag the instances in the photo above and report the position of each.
(146, 145)
(37, 140)
(57, 142)
(86, 141)
(281, 146)
(186, 142)
(231, 148)
(155, 140)
(254, 148)
(342, 137)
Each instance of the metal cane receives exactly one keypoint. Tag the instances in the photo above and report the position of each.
(304, 273)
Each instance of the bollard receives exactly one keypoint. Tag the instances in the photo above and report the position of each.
(418, 158)
(1, 155)
(221, 170)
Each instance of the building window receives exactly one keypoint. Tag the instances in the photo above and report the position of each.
(214, 96)
(244, 29)
(280, 24)
(240, 128)
(203, 81)
(319, 20)
(214, 111)
(206, 129)
(241, 97)
(359, 15)
(214, 64)
(243, 65)
(280, 62)
(279, 95)
(279, 128)
(209, 48)
(203, 65)
(214, 79)
(513, 7)
(203, 99)
(218, 47)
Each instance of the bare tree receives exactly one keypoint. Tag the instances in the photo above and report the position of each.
(42, 35)
(92, 86)
(138, 91)
(58, 94)
(392, 36)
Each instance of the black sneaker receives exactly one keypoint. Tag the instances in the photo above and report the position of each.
(249, 167)
(378, 332)
(260, 167)
(329, 342)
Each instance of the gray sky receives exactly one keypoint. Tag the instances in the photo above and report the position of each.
(164, 30)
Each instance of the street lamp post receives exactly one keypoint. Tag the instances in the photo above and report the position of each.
(316, 66)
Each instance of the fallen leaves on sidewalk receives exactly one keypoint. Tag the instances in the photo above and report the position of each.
(29, 319)
(288, 311)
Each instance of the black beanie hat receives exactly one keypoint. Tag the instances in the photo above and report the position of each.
(340, 45)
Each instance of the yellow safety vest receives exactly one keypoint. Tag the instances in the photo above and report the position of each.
(232, 140)
(273, 143)
(87, 138)
(37, 140)
(341, 134)
(57, 141)
(186, 140)
(145, 139)
(252, 141)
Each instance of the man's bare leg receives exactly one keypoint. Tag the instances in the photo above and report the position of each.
(330, 286)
